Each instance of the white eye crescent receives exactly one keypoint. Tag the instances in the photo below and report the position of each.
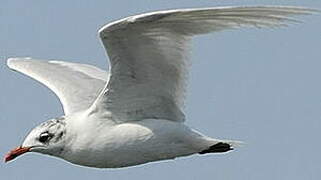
(44, 137)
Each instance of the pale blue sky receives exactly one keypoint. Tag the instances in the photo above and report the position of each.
(260, 86)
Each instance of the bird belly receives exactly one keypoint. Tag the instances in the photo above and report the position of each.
(137, 143)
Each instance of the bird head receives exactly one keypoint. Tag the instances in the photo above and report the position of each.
(46, 138)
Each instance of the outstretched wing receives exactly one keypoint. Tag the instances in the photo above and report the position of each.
(149, 55)
(76, 85)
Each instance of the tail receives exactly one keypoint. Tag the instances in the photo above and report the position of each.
(222, 146)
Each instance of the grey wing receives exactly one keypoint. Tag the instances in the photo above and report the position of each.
(149, 55)
(76, 85)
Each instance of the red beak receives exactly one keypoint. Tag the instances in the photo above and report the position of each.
(15, 153)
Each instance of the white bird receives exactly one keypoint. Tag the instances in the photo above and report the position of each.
(133, 114)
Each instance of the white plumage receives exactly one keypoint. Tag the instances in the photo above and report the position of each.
(134, 113)
(76, 85)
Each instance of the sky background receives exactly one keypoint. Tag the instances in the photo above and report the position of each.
(261, 86)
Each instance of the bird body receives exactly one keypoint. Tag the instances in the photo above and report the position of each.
(133, 143)
(133, 114)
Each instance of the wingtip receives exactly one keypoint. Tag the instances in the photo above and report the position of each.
(11, 61)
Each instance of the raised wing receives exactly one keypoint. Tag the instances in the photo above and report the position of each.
(149, 55)
(76, 85)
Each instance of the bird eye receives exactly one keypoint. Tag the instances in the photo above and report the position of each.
(44, 137)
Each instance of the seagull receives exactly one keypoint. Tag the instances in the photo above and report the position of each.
(133, 114)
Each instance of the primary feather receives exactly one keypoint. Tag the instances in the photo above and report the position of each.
(76, 85)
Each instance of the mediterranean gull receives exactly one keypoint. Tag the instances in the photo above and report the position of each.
(133, 114)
